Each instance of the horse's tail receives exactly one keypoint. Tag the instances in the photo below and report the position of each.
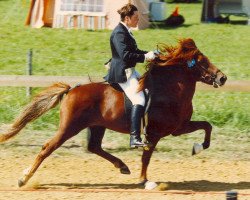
(43, 102)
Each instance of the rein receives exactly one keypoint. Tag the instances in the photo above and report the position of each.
(205, 75)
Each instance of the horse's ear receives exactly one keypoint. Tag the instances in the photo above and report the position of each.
(187, 44)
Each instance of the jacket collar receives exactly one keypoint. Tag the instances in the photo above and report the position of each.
(123, 25)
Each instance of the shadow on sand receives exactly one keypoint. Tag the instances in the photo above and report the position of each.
(198, 186)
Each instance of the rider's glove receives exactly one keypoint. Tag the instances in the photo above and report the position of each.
(149, 56)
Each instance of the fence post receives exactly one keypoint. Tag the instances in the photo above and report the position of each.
(29, 70)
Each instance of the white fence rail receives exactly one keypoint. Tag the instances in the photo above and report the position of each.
(45, 81)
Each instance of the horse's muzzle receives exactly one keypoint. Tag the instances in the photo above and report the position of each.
(220, 79)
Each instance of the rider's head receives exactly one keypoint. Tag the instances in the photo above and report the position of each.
(129, 15)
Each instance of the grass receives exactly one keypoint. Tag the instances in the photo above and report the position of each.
(82, 52)
(225, 109)
(78, 52)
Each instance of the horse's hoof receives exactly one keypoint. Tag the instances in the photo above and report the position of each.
(197, 148)
(20, 183)
(150, 185)
(125, 170)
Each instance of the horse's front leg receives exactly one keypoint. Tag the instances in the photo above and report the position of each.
(194, 126)
(146, 156)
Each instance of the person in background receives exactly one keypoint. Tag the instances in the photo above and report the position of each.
(125, 56)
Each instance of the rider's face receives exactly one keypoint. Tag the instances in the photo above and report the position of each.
(133, 20)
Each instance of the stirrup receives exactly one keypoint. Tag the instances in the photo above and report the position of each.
(135, 142)
(137, 145)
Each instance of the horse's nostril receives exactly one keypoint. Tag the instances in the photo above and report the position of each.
(223, 79)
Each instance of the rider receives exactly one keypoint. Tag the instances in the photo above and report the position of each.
(125, 55)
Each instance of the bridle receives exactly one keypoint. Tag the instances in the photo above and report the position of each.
(203, 71)
(205, 75)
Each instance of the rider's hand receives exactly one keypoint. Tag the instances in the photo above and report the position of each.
(149, 56)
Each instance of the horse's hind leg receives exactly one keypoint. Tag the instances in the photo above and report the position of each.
(47, 149)
(94, 146)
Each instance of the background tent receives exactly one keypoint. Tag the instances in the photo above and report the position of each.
(85, 14)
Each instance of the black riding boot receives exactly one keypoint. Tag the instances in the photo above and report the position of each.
(136, 115)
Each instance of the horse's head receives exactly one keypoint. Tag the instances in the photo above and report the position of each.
(197, 64)
(190, 59)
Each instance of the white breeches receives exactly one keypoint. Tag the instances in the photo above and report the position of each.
(130, 88)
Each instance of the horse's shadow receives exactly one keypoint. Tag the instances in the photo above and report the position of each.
(205, 186)
(198, 186)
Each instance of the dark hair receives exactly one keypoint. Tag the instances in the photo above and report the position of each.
(127, 10)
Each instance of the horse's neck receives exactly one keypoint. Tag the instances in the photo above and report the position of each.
(173, 85)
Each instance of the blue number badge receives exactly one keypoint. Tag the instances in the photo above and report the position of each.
(191, 63)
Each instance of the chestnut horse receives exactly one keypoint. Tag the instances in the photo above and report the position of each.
(170, 78)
